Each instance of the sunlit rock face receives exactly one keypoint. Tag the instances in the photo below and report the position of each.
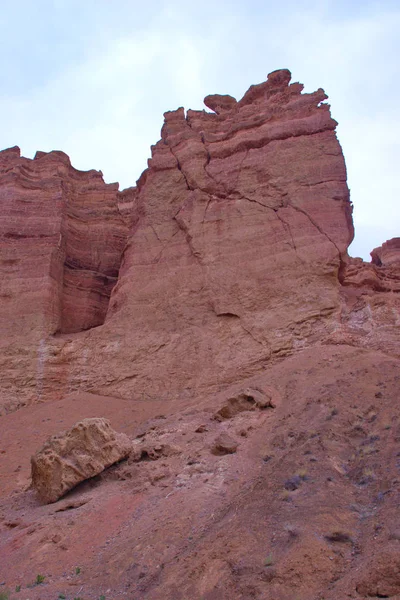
(230, 253)
(244, 223)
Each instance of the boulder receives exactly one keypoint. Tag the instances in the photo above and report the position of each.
(248, 399)
(72, 456)
(224, 444)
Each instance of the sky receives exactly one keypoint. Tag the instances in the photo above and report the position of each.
(94, 77)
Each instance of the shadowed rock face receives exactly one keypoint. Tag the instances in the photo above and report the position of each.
(62, 240)
(235, 254)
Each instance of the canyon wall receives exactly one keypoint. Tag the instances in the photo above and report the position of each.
(230, 253)
(62, 237)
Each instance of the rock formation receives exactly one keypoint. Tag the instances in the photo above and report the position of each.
(72, 456)
(238, 230)
(62, 237)
(212, 311)
(387, 254)
(62, 240)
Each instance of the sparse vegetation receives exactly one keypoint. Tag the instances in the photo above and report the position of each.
(293, 483)
(61, 596)
(4, 595)
(332, 414)
(77, 570)
(17, 588)
(39, 579)
(302, 474)
(269, 561)
(368, 473)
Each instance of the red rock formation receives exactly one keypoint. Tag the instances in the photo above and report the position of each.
(244, 221)
(266, 359)
(370, 307)
(236, 255)
(387, 254)
(62, 237)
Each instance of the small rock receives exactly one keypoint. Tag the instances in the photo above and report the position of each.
(224, 444)
(201, 429)
(246, 400)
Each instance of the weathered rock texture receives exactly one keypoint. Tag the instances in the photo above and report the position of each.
(240, 225)
(61, 241)
(255, 364)
(244, 221)
(62, 238)
(387, 254)
(236, 255)
(72, 456)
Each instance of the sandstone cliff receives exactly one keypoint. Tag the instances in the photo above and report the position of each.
(213, 314)
(238, 233)
(230, 252)
(62, 237)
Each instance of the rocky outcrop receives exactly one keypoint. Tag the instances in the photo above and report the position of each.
(253, 363)
(236, 256)
(62, 233)
(62, 237)
(370, 307)
(70, 457)
(248, 399)
(387, 254)
(244, 222)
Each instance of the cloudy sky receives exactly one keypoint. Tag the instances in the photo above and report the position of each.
(93, 78)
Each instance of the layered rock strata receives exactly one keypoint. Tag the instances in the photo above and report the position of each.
(387, 254)
(253, 364)
(236, 255)
(244, 223)
(61, 240)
